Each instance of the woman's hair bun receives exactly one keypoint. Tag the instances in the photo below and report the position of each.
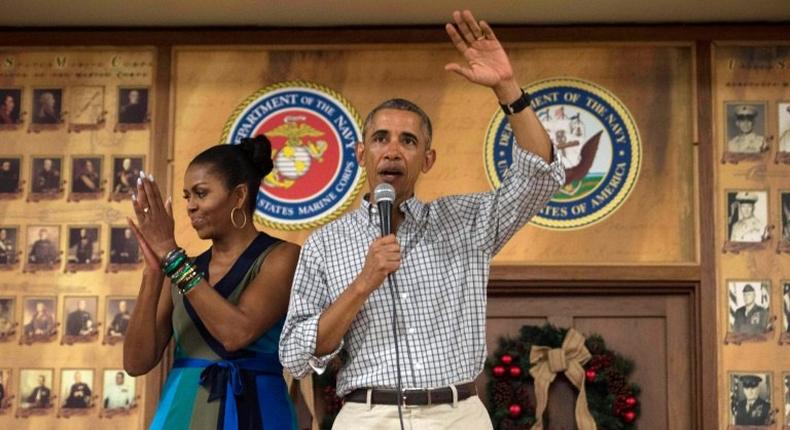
(258, 150)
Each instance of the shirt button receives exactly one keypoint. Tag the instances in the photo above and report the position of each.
(404, 296)
(412, 330)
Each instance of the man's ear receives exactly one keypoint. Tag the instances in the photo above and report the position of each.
(430, 158)
(359, 150)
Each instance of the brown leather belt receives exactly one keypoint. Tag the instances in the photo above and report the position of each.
(412, 397)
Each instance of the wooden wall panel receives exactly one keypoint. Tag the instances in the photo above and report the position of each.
(109, 69)
(751, 73)
(655, 225)
(653, 330)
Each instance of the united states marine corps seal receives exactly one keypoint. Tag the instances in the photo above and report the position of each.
(313, 131)
(595, 138)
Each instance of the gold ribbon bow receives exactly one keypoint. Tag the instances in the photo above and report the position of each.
(547, 362)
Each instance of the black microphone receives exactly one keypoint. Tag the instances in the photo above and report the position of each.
(384, 196)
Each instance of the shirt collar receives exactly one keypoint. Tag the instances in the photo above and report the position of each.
(412, 207)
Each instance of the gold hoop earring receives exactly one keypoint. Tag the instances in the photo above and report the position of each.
(233, 218)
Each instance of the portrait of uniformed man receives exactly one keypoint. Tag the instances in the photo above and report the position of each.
(126, 170)
(123, 246)
(784, 127)
(119, 312)
(76, 388)
(9, 175)
(785, 201)
(47, 105)
(36, 388)
(80, 315)
(43, 242)
(745, 131)
(46, 175)
(747, 215)
(86, 175)
(5, 387)
(118, 390)
(8, 246)
(7, 318)
(39, 316)
(752, 304)
(750, 399)
(10, 101)
(786, 306)
(83, 245)
(132, 105)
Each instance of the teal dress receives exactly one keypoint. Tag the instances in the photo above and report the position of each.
(212, 388)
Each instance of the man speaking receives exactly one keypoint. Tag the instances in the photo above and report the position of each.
(408, 309)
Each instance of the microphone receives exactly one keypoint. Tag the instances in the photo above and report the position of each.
(384, 196)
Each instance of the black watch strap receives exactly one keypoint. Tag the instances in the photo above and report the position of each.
(517, 106)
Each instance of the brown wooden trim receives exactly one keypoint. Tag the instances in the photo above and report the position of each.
(689, 273)
(706, 362)
(64, 36)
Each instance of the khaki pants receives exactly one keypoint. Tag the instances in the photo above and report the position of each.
(468, 414)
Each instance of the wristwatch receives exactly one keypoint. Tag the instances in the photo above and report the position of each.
(517, 106)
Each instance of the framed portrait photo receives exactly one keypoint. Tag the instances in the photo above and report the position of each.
(77, 392)
(744, 131)
(43, 248)
(10, 108)
(84, 250)
(6, 389)
(783, 143)
(124, 249)
(8, 322)
(118, 312)
(125, 172)
(36, 391)
(86, 178)
(79, 319)
(784, 338)
(784, 218)
(748, 310)
(133, 109)
(39, 317)
(750, 400)
(118, 393)
(10, 174)
(9, 246)
(47, 109)
(46, 180)
(747, 224)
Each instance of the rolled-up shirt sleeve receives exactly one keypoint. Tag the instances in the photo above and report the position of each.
(309, 299)
(527, 186)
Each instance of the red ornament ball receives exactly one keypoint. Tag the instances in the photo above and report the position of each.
(629, 416)
(506, 359)
(590, 375)
(498, 371)
(514, 410)
(515, 371)
(630, 401)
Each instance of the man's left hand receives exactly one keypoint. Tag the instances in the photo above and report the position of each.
(487, 63)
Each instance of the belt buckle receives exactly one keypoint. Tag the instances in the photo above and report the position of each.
(404, 396)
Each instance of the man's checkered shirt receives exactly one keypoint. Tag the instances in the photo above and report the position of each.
(446, 250)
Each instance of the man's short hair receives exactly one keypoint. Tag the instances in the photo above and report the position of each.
(405, 105)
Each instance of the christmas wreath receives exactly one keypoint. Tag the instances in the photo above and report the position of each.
(612, 400)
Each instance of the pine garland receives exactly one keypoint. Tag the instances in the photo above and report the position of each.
(612, 400)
